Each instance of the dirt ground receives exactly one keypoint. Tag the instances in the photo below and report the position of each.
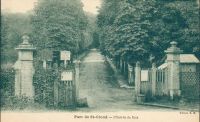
(101, 89)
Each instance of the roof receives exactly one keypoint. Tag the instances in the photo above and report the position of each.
(188, 58)
(184, 58)
(163, 66)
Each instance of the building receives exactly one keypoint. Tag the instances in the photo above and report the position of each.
(188, 63)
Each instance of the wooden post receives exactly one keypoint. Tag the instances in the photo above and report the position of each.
(55, 93)
(44, 64)
(153, 79)
(137, 79)
(121, 64)
(77, 68)
(65, 63)
(56, 85)
(124, 68)
(75, 91)
(130, 74)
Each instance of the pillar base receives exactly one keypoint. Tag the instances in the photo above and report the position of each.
(140, 98)
(174, 94)
(22, 97)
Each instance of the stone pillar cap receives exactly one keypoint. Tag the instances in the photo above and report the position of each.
(173, 43)
(153, 65)
(137, 64)
(173, 48)
(77, 61)
(25, 39)
(25, 45)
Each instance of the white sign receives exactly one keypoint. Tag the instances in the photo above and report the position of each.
(144, 75)
(65, 55)
(67, 76)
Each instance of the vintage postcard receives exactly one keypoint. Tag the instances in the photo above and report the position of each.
(100, 60)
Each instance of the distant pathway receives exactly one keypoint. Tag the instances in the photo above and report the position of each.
(101, 89)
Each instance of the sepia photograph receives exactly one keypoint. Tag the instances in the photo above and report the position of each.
(100, 61)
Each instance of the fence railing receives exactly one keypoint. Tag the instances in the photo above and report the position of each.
(158, 82)
(161, 78)
(161, 82)
(52, 90)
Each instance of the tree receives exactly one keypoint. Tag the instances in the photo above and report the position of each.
(13, 26)
(59, 25)
(138, 30)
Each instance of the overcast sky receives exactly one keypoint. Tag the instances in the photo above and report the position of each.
(23, 6)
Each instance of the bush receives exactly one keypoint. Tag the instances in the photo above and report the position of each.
(7, 84)
(44, 85)
(21, 103)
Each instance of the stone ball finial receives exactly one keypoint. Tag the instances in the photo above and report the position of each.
(77, 62)
(173, 49)
(137, 64)
(173, 43)
(25, 39)
(153, 65)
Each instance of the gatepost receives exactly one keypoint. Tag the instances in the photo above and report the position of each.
(24, 69)
(153, 73)
(65, 87)
(139, 97)
(77, 68)
(130, 74)
(173, 62)
(137, 78)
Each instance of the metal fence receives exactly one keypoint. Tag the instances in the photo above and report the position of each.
(161, 82)
(161, 78)
(157, 82)
(146, 85)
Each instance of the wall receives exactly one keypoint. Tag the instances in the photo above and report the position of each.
(188, 67)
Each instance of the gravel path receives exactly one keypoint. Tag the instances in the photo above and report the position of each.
(101, 89)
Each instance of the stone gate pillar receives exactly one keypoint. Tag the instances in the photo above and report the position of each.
(173, 62)
(24, 69)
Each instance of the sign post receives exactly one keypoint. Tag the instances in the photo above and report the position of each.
(67, 76)
(144, 75)
(65, 55)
